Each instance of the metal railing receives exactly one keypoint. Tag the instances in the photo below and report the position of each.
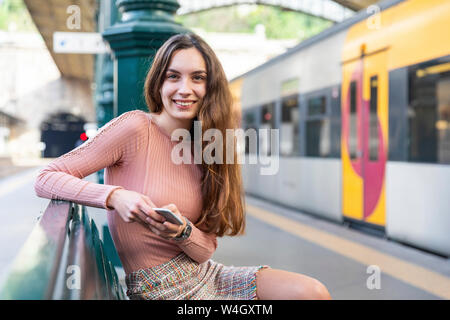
(63, 258)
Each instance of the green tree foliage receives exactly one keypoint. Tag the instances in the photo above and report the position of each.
(279, 24)
(14, 16)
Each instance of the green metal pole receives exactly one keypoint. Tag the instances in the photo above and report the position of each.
(144, 26)
(104, 98)
(108, 15)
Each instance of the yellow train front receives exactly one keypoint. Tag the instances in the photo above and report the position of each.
(363, 113)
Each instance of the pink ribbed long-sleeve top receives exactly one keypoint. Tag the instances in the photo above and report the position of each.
(136, 153)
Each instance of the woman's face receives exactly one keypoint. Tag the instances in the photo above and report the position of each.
(184, 85)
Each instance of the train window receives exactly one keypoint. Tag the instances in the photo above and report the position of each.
(429, 112)
(316, 106)
(335, 122)
(267, 115)
(443, 121)
(267, 122)
(373, 119)
(250, 123)
(317, 128)
(318, 138)
(289, 135)
(353, 134)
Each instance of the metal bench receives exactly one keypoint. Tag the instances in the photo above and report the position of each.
(63, 258)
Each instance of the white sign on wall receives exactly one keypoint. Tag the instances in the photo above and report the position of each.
(79, 42)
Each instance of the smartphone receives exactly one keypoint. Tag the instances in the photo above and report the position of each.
(169, 215)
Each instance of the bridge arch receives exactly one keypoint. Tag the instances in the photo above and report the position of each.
(325, 9)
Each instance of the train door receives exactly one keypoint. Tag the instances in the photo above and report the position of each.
(364, 138)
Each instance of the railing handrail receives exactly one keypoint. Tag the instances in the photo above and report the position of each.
(64, 246)
(35, 269)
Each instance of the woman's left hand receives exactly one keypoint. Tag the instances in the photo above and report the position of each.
(167, 230)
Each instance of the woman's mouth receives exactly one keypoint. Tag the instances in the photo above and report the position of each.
(184, 104)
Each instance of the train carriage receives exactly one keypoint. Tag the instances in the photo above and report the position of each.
(363, 113)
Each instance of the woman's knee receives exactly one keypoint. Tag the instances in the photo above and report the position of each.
(318, 291)
(306, 288)
(279, 284)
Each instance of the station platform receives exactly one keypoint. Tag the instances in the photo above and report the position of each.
(351, 264)
(345, 260)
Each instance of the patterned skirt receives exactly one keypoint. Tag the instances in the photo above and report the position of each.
(183, 278)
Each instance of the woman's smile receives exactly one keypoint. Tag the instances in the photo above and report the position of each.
(184, 104)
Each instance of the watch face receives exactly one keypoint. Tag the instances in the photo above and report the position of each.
(187, 231)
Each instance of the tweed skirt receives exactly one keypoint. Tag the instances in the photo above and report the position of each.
(185, 279)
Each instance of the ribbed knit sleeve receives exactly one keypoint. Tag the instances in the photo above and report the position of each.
(200, 246)
(113, 145)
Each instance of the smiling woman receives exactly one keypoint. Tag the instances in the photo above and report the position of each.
(163, 260)
(186, 83)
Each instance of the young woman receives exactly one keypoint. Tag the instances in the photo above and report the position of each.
(163, 260)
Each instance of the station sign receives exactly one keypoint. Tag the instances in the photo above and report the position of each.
(79, 42)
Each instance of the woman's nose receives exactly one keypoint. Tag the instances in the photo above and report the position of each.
(185, 87)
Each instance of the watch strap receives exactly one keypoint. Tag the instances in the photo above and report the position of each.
(186, 232)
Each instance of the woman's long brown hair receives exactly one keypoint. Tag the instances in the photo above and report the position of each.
(222, 190)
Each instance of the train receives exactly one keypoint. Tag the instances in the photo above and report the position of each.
(363, 115)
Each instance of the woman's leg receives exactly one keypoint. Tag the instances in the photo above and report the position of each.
(273, 284)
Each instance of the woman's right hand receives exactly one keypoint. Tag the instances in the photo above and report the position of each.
(133, 206)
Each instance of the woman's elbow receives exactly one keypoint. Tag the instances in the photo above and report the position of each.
(204, 257)
(207, 254)
(39, 183)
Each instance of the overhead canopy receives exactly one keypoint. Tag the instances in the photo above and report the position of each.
(50, 16)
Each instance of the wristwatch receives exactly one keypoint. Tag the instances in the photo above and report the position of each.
(186, 232)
